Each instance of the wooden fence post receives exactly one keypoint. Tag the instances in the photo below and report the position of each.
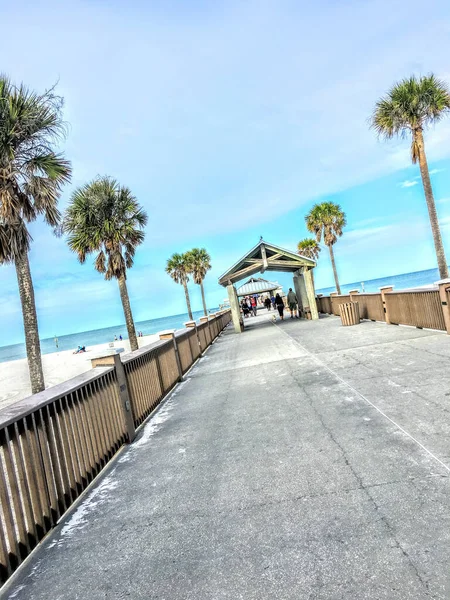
(169, 334)
(353, 293)
(444, 287)
(332, 295)
(111, 358)
(384, 290)
(193, 325)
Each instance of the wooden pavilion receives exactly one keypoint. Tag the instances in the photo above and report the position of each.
(269, 257)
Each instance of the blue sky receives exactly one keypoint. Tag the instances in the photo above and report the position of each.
(228, 120)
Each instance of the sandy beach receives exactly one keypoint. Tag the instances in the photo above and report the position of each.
(58, 367)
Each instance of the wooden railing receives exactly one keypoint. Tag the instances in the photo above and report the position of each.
(184, 349)
(423, 308)
(146, 382)
(51, 447)
(53, 444)
(336, 301)
(324, 305)
(370, 306)
(419, 308)
(204, 336)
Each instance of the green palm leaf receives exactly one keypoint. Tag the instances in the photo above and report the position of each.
(408, 108)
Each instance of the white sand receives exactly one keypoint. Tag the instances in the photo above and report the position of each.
(58, 367)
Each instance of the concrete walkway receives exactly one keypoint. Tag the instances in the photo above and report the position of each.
(298, 460)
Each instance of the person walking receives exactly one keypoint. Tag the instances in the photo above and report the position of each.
(244, 307)
(254, 305)
(272, 299)
(280, 306)
(267, 303)
(292, 303)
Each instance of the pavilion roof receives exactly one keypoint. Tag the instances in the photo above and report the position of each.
(265, 257)
(256, 286)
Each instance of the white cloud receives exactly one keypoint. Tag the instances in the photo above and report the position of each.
(408, 183)
(434, 171)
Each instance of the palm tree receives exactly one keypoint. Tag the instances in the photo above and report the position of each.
(327, 220)
(409, 107)
(31, 178)
(104, 217)
(200, 264)
(179, 267)
(309, 247)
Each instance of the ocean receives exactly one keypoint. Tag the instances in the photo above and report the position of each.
(98, 336)
(400, 282)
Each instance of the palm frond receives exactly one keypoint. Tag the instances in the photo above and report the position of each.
(309, 247)
(411, 104)
(31, 173)
(178, 267)
(14, 241)
(327, 221)
(199, 263)
(103, 215)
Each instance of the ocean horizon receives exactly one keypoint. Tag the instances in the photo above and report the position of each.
(403, 281)
(152, 326)
(99, 336)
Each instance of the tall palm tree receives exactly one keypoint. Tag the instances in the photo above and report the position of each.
(327, 221)
(179, 267)
(31, 177)
(200, 264)
(104, 217)
(409, 107)
(309, 247)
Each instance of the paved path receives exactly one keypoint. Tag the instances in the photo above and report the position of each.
(268, 474)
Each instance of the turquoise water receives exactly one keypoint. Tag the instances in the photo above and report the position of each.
(400, 282)
(98, 336)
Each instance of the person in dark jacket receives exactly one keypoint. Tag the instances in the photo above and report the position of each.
(268, 303)
(280, 306)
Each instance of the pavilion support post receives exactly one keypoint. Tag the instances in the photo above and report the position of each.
(300, 292)
(309, 283)
(234, 305)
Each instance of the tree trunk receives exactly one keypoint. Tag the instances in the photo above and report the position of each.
(333, 264)
(205, 310)
(127, 312)
(438, 245)
(188, 301)
(30, 324)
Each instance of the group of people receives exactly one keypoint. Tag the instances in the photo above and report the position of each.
(277, 302)
(249, 305)
(138, 333)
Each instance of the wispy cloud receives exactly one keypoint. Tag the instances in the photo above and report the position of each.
(408, 183)
(434, 171)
